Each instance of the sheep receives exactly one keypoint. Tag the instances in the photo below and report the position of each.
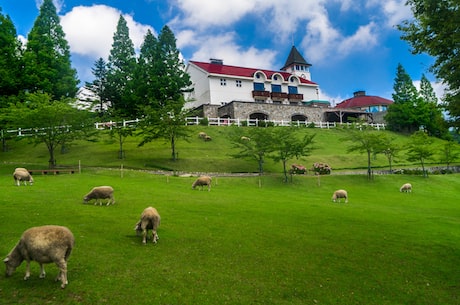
(243, 138)
(406, 188)
(207, 138)
(98, 193)
(22, 174)
(45, 244)
(202, 181)
(340, 194)
(150, 220)
(202, 135)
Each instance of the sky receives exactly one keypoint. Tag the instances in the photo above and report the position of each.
(352, 45)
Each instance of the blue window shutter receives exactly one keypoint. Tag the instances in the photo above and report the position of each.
(259, 87)
(276, 88)
(292, 90)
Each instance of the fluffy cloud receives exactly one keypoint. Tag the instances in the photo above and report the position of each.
(90, 29)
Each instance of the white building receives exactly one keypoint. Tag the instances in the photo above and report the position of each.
(217, 84)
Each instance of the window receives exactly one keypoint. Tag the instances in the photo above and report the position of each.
(223, 82)
(276, 88)
(238, 83)
(292, 90)
(259, 87)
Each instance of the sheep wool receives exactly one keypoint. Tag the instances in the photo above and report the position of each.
(150, 220)
(340, 194)
(202, 181)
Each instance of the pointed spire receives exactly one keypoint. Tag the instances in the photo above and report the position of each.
(295, 58)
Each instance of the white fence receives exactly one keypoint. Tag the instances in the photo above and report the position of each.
(22, 132)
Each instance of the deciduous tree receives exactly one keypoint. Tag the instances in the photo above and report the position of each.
(420, 149)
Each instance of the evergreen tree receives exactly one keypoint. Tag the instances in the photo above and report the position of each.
(401, 114)
(10, 59)
(120, 70)
(98, 85)
(426, 91)
(173, 80)
(47, 57)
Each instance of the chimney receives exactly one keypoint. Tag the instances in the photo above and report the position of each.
(359, 93)
(216, 61)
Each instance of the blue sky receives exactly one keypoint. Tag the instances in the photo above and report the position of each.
(351, 44)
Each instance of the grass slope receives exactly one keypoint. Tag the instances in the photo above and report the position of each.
(195, 155)
(248, 241)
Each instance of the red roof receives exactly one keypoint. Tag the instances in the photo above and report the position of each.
(215, 68)
(363, 101)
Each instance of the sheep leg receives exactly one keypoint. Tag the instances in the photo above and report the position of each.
(62, 264)
(27, 276)
(144, 236)
(42, 271)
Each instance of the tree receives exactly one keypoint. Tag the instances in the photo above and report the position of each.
(173, 81)
(435, 30)
(166, 124)
(47, 57)
(366, 141)
(120, 70)
(253, 143)
(98, 85)
(52, 122)
(449, 153)
(10, 59)
(401, 114)
(389, 148)
(420, 149)
(287, 144)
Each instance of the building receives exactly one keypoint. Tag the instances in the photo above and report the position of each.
(238, 92)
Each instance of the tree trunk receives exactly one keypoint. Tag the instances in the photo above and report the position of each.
(173, 148)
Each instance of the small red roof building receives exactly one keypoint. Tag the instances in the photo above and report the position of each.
(368, 103)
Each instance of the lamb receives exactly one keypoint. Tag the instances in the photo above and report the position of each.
(22, 174)
(150, 220)
(202, 181)
(340, 194)
(45, 244)
(98, 193)
(406, 188)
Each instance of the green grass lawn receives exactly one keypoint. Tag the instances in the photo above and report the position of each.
(251, 240)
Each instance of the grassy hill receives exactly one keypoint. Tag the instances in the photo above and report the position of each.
(194, 155)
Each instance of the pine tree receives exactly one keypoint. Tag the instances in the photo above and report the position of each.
(98, 85)
(120, 70)
(47, 56)
(10, 58)
(401, 114)
(428, 112)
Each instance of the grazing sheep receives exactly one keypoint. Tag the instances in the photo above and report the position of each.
(202, 181)
(340, 194)
(98, 193)
(150, 220)
(46, 244)
(22, 174)
(207, 138)
(406, 188)
(202, 135)
(243, 138)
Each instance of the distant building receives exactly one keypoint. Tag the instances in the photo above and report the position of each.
(247, 93)
(368, 103)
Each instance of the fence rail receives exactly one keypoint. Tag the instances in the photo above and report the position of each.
(24, 132)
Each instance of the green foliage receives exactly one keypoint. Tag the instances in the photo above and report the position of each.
(98, 85)
(54, 123)
(435, 31)
(240, 243)
(10, 59)
(47, 57)
(420, 149)
(450, 153)
(120, 70)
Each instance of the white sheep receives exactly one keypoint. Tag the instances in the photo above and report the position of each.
(98, 193)
(406, 188)
(340, 194)
(202, 135)
(243, 138)
(46, 244)
(202, 181)
(207, 138)
(150, 220)
(22, 174)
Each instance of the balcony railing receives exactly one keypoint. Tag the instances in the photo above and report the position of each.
(295, 96)
(278, 95)
(259, 94)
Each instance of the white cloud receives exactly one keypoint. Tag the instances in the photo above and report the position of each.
(395, 11)
(224, 47)
(365, 37)
(90, 29)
